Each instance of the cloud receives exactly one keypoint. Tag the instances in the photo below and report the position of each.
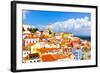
(28, 26)
(78, 26)
(25, 14)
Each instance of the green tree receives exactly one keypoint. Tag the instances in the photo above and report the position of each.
(23, 29)
(32, 30)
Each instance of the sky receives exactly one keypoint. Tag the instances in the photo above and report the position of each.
(77, 23)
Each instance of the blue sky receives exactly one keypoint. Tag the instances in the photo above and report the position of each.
(52, 18)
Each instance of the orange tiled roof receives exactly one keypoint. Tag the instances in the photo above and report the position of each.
(52, 57)
(24, 48)
(44, 36)
(26, 58)
(48, 57)
(43, 50)
(30, 36)
(30, 44)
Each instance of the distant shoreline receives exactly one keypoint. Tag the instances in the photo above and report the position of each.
(88, 38)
